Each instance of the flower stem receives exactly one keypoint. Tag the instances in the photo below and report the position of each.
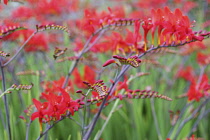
(6, 105)
(155, 119)
(190, 117)
(19, 50)
(107, 120)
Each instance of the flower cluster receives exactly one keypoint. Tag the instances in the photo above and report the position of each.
(55, 107)
(171, 28)
(199, 86)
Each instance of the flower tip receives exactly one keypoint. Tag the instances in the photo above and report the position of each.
(169, 99)
(139, 60)
(116, 56)
(82, 103)
(79, 91)
(100, 81)
(21, 117)
(108, 62)
(85, 82)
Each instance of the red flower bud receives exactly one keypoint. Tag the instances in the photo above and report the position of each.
(108, 62)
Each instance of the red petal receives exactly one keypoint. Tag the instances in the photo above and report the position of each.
(5, 2)
(34, 116)
(37, 104)
(108, 62)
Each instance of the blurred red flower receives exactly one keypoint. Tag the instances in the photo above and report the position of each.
(89, 76)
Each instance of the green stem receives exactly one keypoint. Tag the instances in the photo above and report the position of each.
(19, 50)
(155, 119)
(6, 105)
(107, 120)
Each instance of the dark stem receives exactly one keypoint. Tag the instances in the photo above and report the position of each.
(111, 89)
(85, 49)
(48, 128)
(179, 118)
(155, 119)
(202, 114)
(27, 129)
(19, 50)
(6, 105)
(189, 118)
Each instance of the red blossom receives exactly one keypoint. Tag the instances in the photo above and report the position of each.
(40, 113)
(193, 93)
(203, 59)
(23, 13)
(93, 19)
(187, 73)
(199, 90)
(192, 47)
(108, 62)
(67, 104)
(121, 85)
(89, 76)
(5, 2)
(173, 26)
(146, 26)
(52, 86)
(55, 107)
(54, 104)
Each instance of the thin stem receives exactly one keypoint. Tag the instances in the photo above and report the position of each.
(200, 76)
(19, 50)
(189, 118)
(111, 89)
(84, 116)
(179, 118)
(6, 105)
(51, 126)
(107, 120)
(5, 92)
(48, 128)
(202, 114)
(85, 49)
(2, 119)
(75, 121)
(155, 119)
(27, 130)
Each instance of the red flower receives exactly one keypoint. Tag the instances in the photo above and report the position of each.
(55, 107)
(23, 12)
(203, 59)
(40, 113)
(67, 103)
(187, 73)
(146, 26)
(121, 85)
(177, 27)
(5, 2)
(193, 93)
(199, 90)
(94, 20)
(52, 86)
(54, 103)
(37, 43)
(192, 47)
(89, 76)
